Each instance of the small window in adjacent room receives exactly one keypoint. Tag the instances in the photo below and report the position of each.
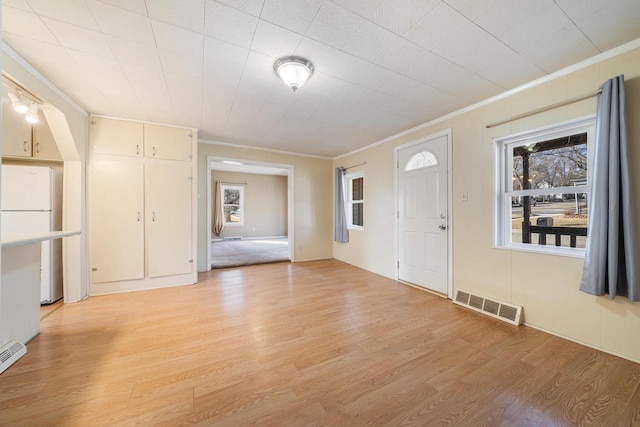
(233, 204)
(354, 193)
(542, 188)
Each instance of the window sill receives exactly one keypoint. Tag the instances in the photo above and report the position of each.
(355, 228)
(548, 250)
(233, 224)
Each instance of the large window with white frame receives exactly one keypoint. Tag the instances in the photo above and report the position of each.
(354, 200)
(233, 204)
(542, 188)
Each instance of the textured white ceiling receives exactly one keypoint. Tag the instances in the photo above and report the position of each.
(382, 66)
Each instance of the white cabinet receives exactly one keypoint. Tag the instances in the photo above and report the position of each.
(16, 133)
(44, 144)
(169, 143)
(168, 203)
(21, 139)
(109, 136)
(142, 208)
(117, 215)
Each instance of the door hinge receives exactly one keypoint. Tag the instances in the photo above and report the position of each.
(190, 157)
(191, 261)
(397, 264)
(398, 214)
(397, 164)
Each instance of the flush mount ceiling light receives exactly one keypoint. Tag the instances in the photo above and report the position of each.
(293, 70)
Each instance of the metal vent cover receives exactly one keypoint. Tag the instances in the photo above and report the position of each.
(10, 353)
(505, 311)
(462, 297)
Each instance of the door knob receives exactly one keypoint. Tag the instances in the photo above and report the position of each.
(442, 227)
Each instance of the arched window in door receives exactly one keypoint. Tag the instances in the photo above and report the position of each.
(423, 159)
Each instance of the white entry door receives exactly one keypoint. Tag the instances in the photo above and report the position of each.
(423, 216)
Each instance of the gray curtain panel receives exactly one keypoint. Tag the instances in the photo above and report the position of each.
(610, 263)
(340, 232)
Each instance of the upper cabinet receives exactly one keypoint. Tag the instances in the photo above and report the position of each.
(21, 139)
(167, 143)
(16, 133)
(44, 144)
(123, 138)
(117, 137)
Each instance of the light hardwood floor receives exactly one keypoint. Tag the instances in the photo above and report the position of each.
(305, 344)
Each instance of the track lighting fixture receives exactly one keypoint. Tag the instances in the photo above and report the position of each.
(19, 103)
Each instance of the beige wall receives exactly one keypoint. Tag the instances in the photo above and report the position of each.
(546, 285)
(265, 204)
(312, 209)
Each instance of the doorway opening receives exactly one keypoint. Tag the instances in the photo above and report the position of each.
(250, 206)
(44, 147)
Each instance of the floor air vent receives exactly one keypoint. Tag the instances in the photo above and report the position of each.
(10, 353)
(500, 310)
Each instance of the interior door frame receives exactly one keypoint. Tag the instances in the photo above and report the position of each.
(290, 201)
(396, 152)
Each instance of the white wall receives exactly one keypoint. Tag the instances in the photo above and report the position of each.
(546, 285)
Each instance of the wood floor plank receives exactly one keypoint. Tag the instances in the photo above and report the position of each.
(305, 344)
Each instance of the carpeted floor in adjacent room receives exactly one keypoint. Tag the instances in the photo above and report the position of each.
(236, 253)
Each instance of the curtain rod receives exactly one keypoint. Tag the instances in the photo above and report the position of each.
(543, 109)
(233, 183)
(344, 168)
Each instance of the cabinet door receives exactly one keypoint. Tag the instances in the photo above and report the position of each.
(44, 145)
(168, 204)
(16, 133)
(118, 137)
(167, 143)
(116, 218)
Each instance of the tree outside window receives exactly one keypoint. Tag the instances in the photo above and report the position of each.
(233, 198)
(543, 188)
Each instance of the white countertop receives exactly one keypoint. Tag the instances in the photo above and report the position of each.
(15, 239)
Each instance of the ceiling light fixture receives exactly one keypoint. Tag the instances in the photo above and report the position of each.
(18, 102)
(32, 115)
(293, 70)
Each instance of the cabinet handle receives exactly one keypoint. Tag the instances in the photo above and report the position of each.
(138, 216)
(24, 146)
(137, 149)
(154, 151)
(153, 216)
(37, 147)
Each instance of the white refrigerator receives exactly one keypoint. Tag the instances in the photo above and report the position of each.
(31, 203)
